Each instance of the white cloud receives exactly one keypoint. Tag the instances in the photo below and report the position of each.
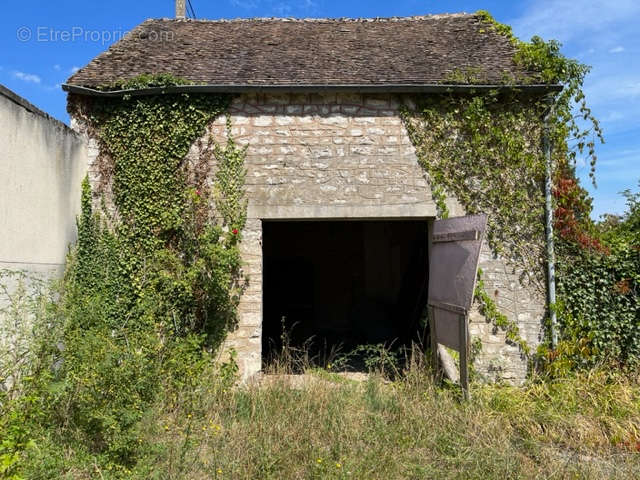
(598, 31)
(622, 160)
(27, 77)
(52, 88)
(614, 86)
(567, 19)
(608, 203)
(633, 88)
(282, 9)
(612, 116)
(57, 67)
(74, 69)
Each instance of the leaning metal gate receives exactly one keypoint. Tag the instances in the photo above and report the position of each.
(453, 268)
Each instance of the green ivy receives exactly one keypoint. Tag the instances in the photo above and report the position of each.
(599, 310)
(484, 149)
(229, 195)
(493, 25)
(146, 81)
(500, 321)
(158, 233)
(154, 281)
(571, 134)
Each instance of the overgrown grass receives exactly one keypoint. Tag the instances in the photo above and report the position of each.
(586, 426)
(198, 425)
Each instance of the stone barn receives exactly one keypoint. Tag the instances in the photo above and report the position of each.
(340, 212)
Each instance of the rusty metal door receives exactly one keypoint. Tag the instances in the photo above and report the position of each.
(453, 267)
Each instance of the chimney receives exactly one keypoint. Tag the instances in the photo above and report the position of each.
(181, 9)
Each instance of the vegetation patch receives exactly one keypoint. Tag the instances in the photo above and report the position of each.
(578, 427)
(151, 287)
(599, 287)
(484, 149)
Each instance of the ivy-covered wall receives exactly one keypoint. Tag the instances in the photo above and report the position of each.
(347, 156)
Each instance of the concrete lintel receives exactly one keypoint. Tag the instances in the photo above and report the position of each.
(354, 212)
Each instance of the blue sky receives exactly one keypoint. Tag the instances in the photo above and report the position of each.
(41, 43)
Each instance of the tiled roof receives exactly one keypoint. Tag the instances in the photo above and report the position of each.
(310, 52)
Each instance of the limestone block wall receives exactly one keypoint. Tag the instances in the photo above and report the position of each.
(314, 157)
(343, 156)
(499, 360)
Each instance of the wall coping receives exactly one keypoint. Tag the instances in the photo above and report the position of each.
(30, 107)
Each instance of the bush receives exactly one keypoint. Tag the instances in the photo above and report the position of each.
(599, 291)
(149, 292)
(28, 358)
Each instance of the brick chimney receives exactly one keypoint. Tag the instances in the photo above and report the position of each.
(181, 8)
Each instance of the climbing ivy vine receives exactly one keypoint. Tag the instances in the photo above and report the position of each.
(155, 278)
(499, 320)
(231, 203)
(159, 217)
(484, 149)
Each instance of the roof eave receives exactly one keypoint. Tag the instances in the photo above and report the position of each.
(311, 88)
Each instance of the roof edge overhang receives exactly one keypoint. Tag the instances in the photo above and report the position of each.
(300, 88)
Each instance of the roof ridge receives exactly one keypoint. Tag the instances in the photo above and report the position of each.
(435, 16)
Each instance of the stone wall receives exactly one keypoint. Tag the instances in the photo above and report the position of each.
(344, 156)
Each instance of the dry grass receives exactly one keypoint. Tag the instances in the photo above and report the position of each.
(583, 427)
(332, 427)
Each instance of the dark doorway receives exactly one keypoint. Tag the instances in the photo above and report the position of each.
(343, 283)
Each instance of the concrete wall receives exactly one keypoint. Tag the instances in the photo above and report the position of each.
(344, 156)
(42, 164)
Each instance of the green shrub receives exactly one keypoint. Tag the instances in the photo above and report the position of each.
(600, 304)
(599, 291)
(150, 290)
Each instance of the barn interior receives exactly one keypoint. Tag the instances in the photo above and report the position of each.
(333, 286)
